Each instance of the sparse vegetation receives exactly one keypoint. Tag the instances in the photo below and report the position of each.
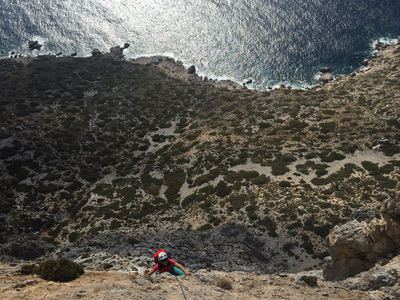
(75, 166)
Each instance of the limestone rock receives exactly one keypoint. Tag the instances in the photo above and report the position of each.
(365, 62)
(380, 46)
(391, 213)
(326, 78)
(357, 245)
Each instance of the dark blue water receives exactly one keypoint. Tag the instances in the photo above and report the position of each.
(270, 41)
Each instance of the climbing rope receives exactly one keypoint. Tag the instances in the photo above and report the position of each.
(180, 284)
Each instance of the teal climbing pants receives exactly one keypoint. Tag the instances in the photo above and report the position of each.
(177, 272)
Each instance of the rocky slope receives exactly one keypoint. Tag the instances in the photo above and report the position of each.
(103, 160)
(201, 285)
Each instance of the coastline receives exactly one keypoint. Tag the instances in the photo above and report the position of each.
(175, 67)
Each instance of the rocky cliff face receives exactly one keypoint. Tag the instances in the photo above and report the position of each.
(357, 245)
(365, 252)
(107, 158)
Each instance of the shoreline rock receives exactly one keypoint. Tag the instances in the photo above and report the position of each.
(34, 45)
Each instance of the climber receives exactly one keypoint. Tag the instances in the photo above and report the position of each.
(164, 263)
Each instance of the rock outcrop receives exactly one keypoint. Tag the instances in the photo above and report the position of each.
(357, 245)
(326, 78)
(191, 70)
(383, 277)
(34, 45)
(117, 52)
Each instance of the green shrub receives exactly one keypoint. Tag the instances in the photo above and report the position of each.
(233, 177)
(238, 201)
(174, 180)
(371, 167)
(207, 177)
(115, 224)
(343, 173)
(248, 175)
(190, 199)
(327, 156)
(104, 189)
(285, 184)
(321, 172)
(73, 236)
(150, 184)
(222, 189)
(327, 127)
(390, 149)
(260, 180)
(386, 169)
(60, 270)
(269, 224)
(279, 165)
(386, 182)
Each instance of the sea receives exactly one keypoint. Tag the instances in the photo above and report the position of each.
(271, 42)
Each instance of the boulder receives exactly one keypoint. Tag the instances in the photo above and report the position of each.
(380, 46)
(34, 45)
(380, 278)
(117, 53)
(191, 70)
(96, 52)
(391, 213)
(326, 78)
(357, 245)
(365, 62)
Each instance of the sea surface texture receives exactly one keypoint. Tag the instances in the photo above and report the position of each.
(270, 41)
